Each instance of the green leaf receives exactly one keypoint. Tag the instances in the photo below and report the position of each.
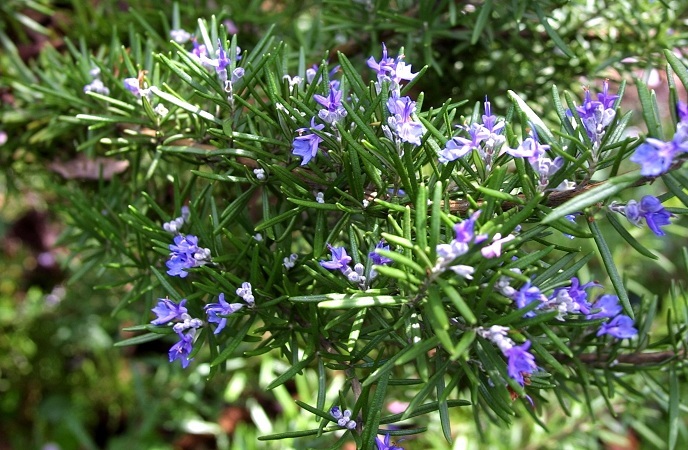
(290, 373)
(346, 301)
(533, 118)
(627, 236)
(558, 41)
(608, 261)
(142, 339)
(482, 20)
(678, 66)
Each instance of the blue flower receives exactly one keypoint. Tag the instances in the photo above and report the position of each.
(377, 258)
(520, 362)
(334, 111)
(401, 121)
(490, 121)
(608, 306)
(218, 312)
(620, 327)
(340, 260)
(185, 254)
(656, 156)
(578, 295)
(530, 148)
(458, 146)
(464, 230)
(650, 209)
(167, 311)
(527, 295)
(682, 111)
(390, 69)
(384, 444)
(182, 349)
(343, 418)
(306, 145)
(596, 115)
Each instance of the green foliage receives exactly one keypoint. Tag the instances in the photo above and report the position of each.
(415, 333)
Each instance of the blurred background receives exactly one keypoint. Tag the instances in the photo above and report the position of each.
(63, 382)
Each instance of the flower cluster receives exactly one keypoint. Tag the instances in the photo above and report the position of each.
(341, 260)
(333, 110)
(401, 124)
(174, 225)
(574, 300)
(656, 156)
(185, 254)
(219, 63)
(486, 138)
(544, 166)
(520, 363)
(180, 36)
(596, 115)
(96, 85)
(185, 327)
(391, 70)
(218, 312)
(135, 86)
(306, 143)
(343, 418)
(290, 261)
(447, 253)
(649, 208)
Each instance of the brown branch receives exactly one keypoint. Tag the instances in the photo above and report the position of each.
(636, 359)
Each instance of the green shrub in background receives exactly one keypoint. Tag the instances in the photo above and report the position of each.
(321, 244)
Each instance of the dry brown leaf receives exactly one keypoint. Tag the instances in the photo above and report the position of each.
(89, 169)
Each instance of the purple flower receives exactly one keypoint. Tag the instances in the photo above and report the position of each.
(182, 349)
(464, 230)
(574, 297)
(495, 248)
(608, 306)
(334, 111)
(682, 111)
(530, 148)
(216, 311)
(620, 327)
(132, 85)
(650, 209)
(306, 145)
(655, 156)
(180, 36)
(384, 66)
(167, 311)
(97, 86)
(401, 122)
(392, 70)
(597, 114)
(343, 418)
(340, 260)
(185, 254)
(378, 259)
(527, 295)
(458, 146)
(490, 121)
(520, 362)
(384, 444)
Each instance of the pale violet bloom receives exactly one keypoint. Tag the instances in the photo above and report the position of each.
(401, 122)
(97, 86)
(180, 36)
